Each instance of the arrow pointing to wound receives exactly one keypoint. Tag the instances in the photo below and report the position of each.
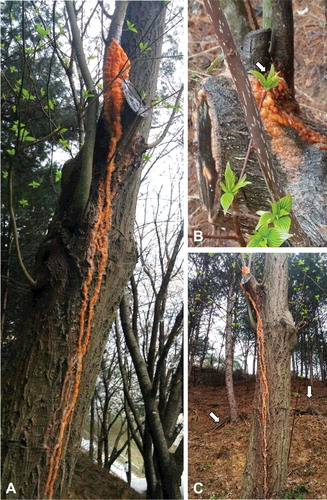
(262, 68)
(214, 417)
(309, 394)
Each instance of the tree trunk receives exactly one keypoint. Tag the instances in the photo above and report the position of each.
(129, 455)
(229, 349)
(169, 471)
(236, 15)
(91, 449)
(282, 40)
(206, 339)
(267, 458)
(37, 425)
(254, 356)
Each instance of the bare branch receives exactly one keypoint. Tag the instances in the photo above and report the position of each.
(172, 116)
(82, 191)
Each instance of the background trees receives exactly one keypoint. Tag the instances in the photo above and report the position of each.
(53, 89)
(306, 297)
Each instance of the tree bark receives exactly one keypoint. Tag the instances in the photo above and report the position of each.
(229, 349)
(267, 458)
(236, 15)
(39, 361)
(92, 420)
(282, 40)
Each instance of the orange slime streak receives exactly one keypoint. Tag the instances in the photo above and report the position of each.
(263, 382)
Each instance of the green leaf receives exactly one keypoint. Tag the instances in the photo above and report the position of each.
(34, 184)
(41, 31)
(51, 104)
(277, 237)
(64, 143)
(28, 138)
(270, 82)
(257, 240)
(286, 203)
(87, 94)
(265, 219)
(282, 212)
(223, 187)
(240, 184)
(23, 202)
(259, 76)
(58, 175)
(229, 178)
(283, 223)
(11, 152)
(27, 96)
(4, 174)
(226, 200)
(144, 46)
(12, 69)
(271, 72)
(131, 26)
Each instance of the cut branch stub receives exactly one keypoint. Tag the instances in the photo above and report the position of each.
(255, 49)
(222, 136)
(282, 40)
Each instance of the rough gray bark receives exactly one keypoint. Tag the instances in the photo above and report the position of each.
(255, 49)
(38, 361)
(222, 136)
(265, 473)
(236, 16)
(282, 39)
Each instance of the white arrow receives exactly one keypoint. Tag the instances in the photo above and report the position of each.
(309, 391)
(262, 68)
(214, 417)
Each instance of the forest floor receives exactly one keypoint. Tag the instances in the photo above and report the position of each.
(310, 81)
(91, 481)
(216, 456)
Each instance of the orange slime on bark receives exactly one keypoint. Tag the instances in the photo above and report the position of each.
(116, 67)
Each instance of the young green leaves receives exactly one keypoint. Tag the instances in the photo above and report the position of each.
(271, 81)
(278, 215)
(230, 187)
(272, 228)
